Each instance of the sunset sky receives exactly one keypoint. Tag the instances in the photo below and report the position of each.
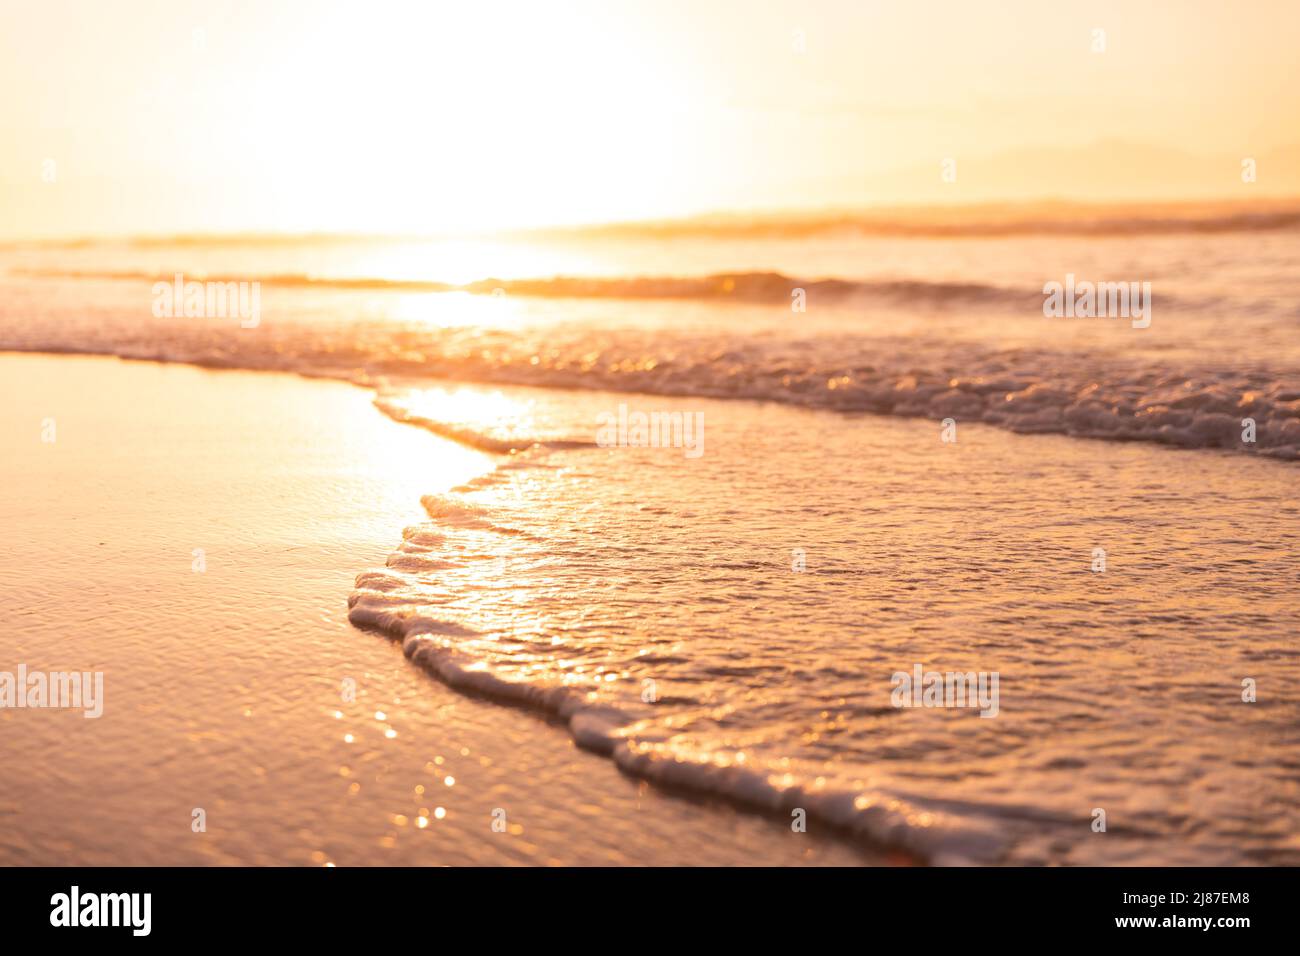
(183, 116)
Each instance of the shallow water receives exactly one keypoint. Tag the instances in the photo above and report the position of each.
(571, 578)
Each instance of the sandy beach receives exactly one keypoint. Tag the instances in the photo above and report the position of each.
(224, 687)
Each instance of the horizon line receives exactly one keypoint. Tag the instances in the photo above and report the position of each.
(925, 219)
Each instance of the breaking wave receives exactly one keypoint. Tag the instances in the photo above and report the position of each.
(738, 286)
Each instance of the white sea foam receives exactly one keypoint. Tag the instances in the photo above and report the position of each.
(626, 733)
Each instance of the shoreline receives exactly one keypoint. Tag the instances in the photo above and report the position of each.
(435, 583)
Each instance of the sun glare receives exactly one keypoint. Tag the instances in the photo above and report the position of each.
(439, 117)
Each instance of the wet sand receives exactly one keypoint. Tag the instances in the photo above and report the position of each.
(225, 686)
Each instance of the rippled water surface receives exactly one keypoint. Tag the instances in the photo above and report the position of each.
(580, 578)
